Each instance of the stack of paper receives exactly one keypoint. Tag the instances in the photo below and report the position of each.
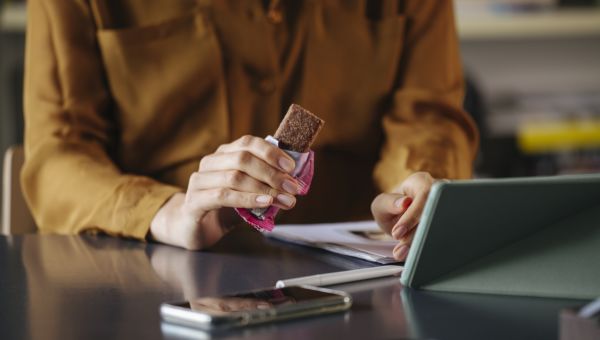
(363, 240)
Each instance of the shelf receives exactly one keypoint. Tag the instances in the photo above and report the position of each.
(13, 17)
(548, 136)
(487, 25)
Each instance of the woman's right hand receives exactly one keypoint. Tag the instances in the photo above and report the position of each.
(247, 173)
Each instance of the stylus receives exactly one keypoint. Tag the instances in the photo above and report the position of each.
(591, 309)
(341, 277)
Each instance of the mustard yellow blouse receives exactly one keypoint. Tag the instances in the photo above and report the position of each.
(123, 99)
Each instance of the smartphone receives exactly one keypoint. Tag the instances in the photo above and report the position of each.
(255, 307)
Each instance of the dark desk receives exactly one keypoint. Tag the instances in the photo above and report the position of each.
(61, 287)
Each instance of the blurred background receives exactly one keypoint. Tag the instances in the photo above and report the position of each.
(532, 69)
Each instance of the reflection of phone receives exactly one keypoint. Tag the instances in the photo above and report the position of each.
(212, 313)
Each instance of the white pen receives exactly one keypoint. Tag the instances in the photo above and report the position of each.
(591, 309)
(341, 277)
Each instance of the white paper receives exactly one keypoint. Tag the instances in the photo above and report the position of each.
(357, 239)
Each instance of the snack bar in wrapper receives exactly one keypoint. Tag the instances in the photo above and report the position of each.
(295, 135)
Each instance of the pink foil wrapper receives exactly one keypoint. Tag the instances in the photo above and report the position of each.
(305, 167)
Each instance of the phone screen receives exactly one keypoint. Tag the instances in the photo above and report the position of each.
(255, 300)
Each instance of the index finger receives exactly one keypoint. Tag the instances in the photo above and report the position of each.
(411, 218)
(262, 149)
(387, 209)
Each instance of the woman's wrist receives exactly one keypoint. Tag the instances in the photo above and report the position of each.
(159, 224)
(174, 224)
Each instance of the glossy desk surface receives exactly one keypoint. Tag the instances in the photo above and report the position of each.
(97, 287)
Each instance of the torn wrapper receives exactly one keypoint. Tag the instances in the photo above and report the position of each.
(263, 219)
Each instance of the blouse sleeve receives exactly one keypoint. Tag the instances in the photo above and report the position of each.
(426, 129)
(69, 178)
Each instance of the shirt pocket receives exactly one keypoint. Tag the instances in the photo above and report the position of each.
(353, 61)
(166, 78)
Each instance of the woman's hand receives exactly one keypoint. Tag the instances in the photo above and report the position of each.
(399, 213)
(247, 173)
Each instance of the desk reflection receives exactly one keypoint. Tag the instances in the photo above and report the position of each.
(438, 315)
(83, 287)
(94, 287)
(78, 285)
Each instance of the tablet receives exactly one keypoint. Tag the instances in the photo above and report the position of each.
(537, 236)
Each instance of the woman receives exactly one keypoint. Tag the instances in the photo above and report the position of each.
(144, 118)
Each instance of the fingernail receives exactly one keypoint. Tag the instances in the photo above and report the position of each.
(407, 202)
(286, 164)
(403, 202)
(285, 200)
(402, 252)
(290, 187)
(399, 232)
(263, 199)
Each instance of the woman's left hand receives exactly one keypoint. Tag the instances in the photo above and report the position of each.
(398, 213)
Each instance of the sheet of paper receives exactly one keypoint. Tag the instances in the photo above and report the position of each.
(363, 239)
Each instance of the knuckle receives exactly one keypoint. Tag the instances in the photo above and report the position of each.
(220, 194)
(417, 177)
(425, 177)
(204, 162)
(221, 148)
(194, 178)
(244, 157)
(272, 179)
(248, 200)
(272, 154)
(187, 200)
(234, 177)
(271, 192)
(245, 140)
(273, 175)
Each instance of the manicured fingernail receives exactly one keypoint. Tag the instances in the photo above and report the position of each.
(263, 199)
(286, 164)
(403, 202)
(398, 232)
(407, 202)
(290, 187)
(402, 252)
(285, 200)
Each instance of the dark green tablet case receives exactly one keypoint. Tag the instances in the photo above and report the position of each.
(536, 236)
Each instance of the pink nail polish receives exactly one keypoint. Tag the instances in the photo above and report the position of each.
(407, 202)
(285, 200)
(290, 187)
(263, 199)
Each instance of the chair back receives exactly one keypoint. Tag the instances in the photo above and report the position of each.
(16, 218)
